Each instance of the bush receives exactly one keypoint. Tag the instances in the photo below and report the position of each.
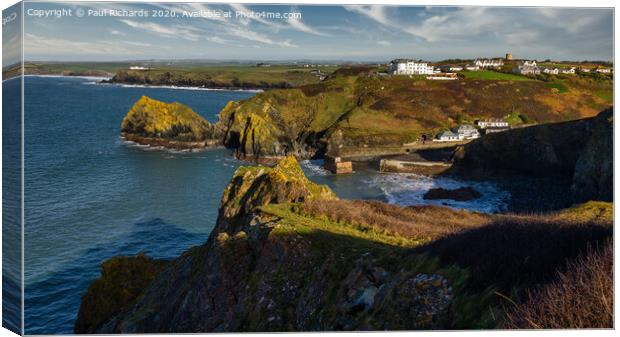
(421, 222)
(581, 297)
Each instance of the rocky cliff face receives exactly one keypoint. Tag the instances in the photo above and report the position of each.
(273, 263)
(580, 150)
(267, 266)
(152, 121)
(594, 169)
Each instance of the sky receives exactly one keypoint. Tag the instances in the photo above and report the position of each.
(336, 33)
(11, 36)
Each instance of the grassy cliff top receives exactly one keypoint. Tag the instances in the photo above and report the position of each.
(398, 109)
(152, 118)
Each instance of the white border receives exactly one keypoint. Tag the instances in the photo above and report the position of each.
(501, 3)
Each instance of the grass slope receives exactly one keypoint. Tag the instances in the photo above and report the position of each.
(374, 110)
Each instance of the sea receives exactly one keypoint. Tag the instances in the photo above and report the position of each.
(90, 196)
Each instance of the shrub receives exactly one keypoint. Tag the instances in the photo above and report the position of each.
(581, 297)
(421, 222)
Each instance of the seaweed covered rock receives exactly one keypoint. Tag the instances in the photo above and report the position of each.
(153, 122)
(458, 194)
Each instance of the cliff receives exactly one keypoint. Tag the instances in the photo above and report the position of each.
(172, 125)
(287, 255)
(581, 151)
(354, 108)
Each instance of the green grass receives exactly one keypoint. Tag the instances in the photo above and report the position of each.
(493, 75)
(184, 72)
(556, 85)
(607, 95)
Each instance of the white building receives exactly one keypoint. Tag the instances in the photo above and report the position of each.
(527, 68)
(603, 70)
(472, 67)
(492, 123)
(551, 71)
(138, 68)
(451, 69)
(466, 131)
(570, 71)
(447, 136)
(489, 63)
(410, 67)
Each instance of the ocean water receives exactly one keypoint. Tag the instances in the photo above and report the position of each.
(89, 196)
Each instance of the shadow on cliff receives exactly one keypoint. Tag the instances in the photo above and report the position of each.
(516, 253)
(52, 304)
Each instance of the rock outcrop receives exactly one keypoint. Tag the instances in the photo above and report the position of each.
(594, 169)
(458, 194)
(270, 264)
(268, 267)
(581, 150)
(171, 125)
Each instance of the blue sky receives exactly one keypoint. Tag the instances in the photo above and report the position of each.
(355, 33)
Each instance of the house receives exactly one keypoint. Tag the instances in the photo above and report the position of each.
(410, 67)
(603, 70)
(472, 67)
(551, 71)
(447, 136)
(139, 68)
(492, 123)
(465, 131)
(489, 63)
(527, 68)
(570, 71)
(584, 70)
(451, 68)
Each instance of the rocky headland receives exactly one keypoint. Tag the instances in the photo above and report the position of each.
(357, 115)
(168, 125)
(287, 255)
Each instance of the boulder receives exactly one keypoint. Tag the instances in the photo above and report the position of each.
(459, 194)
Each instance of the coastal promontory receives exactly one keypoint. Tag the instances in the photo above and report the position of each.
(287, 255)
(170, 125)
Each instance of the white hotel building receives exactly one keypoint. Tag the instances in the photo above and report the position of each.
(410, 67)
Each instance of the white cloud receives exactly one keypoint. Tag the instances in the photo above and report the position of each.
(185, 32)
(35, 44)
(137, 44)
(302, 27)
(216, 39)
(375, 12)
(247, 34)
(384, 43)
(116, 32)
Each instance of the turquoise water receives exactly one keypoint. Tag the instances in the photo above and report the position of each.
(89, 196)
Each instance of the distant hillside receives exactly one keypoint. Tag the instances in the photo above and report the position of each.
(355, 107)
